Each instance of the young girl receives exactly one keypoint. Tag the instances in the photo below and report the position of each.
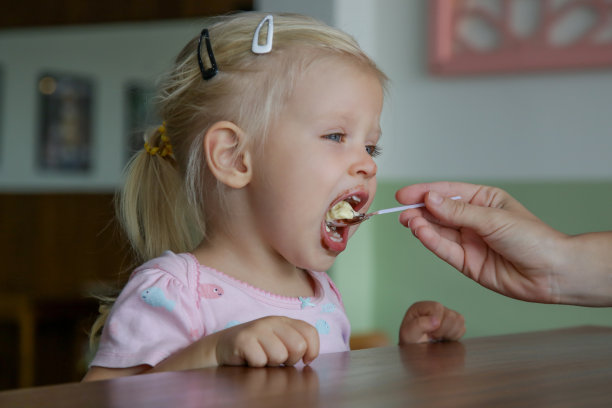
(270, 121)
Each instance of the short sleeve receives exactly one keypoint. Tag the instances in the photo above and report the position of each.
(155, 315)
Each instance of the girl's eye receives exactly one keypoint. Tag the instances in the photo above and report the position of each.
(373, 150)
(335, 137)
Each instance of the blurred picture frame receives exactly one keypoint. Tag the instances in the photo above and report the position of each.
(505, 36)
(141, 114)
(65, 122)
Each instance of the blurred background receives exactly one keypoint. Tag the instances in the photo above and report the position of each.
(76, 79)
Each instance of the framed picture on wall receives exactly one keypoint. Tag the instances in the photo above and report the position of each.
(65, 122)
(141, 114)
(501, 36)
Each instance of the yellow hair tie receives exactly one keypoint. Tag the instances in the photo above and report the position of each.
(165, 148)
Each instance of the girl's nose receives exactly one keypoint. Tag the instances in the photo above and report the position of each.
(363, 165)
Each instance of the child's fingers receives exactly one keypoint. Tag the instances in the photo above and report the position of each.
(248, 343)
(428, 320)
(275, 350)
(311, 336)
(294, 343)
(287, 341)
(416, 329)
(452, 327)
(251, 353)
(272, 340)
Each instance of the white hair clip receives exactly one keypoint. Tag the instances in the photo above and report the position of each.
(267, 46)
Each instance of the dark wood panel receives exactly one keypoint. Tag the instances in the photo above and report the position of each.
(57, 250)
(59, 244)
(60, 12)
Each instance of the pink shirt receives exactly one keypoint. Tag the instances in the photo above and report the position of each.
(171, 301)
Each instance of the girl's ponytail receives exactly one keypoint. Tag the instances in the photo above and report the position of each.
(153, 210)
(152, 207)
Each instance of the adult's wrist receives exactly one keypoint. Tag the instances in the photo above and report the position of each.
(584, 271)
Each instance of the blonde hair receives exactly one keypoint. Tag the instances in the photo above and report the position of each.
(166, 204)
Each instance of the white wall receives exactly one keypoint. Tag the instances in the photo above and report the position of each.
(551, 126)
(320, 9)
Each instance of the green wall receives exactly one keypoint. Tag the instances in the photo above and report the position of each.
(386, 269)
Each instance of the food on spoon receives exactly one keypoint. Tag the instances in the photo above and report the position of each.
(341, 211)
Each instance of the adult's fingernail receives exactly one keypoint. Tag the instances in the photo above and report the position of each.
(435, 198)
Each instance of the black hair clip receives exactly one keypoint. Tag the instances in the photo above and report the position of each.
(212, 71)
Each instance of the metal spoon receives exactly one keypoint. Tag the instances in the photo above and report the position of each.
(358, 219)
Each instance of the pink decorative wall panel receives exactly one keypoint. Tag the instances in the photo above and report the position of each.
(494, 36)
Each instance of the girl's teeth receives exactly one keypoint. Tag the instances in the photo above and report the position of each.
(334, 236)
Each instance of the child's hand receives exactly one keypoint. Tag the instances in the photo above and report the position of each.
(428, 321)
(269, 341)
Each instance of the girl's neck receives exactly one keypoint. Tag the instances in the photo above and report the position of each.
(250, 263)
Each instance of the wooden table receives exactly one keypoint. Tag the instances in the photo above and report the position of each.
(560, 368)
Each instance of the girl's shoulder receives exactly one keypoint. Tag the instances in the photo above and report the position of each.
(181, 267)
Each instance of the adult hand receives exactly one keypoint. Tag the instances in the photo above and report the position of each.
(490, 237)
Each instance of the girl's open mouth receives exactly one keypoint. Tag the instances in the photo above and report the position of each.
(335, 238)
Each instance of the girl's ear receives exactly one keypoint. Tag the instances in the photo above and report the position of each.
(222, 146)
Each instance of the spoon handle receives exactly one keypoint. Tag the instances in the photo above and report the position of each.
(406, 207)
